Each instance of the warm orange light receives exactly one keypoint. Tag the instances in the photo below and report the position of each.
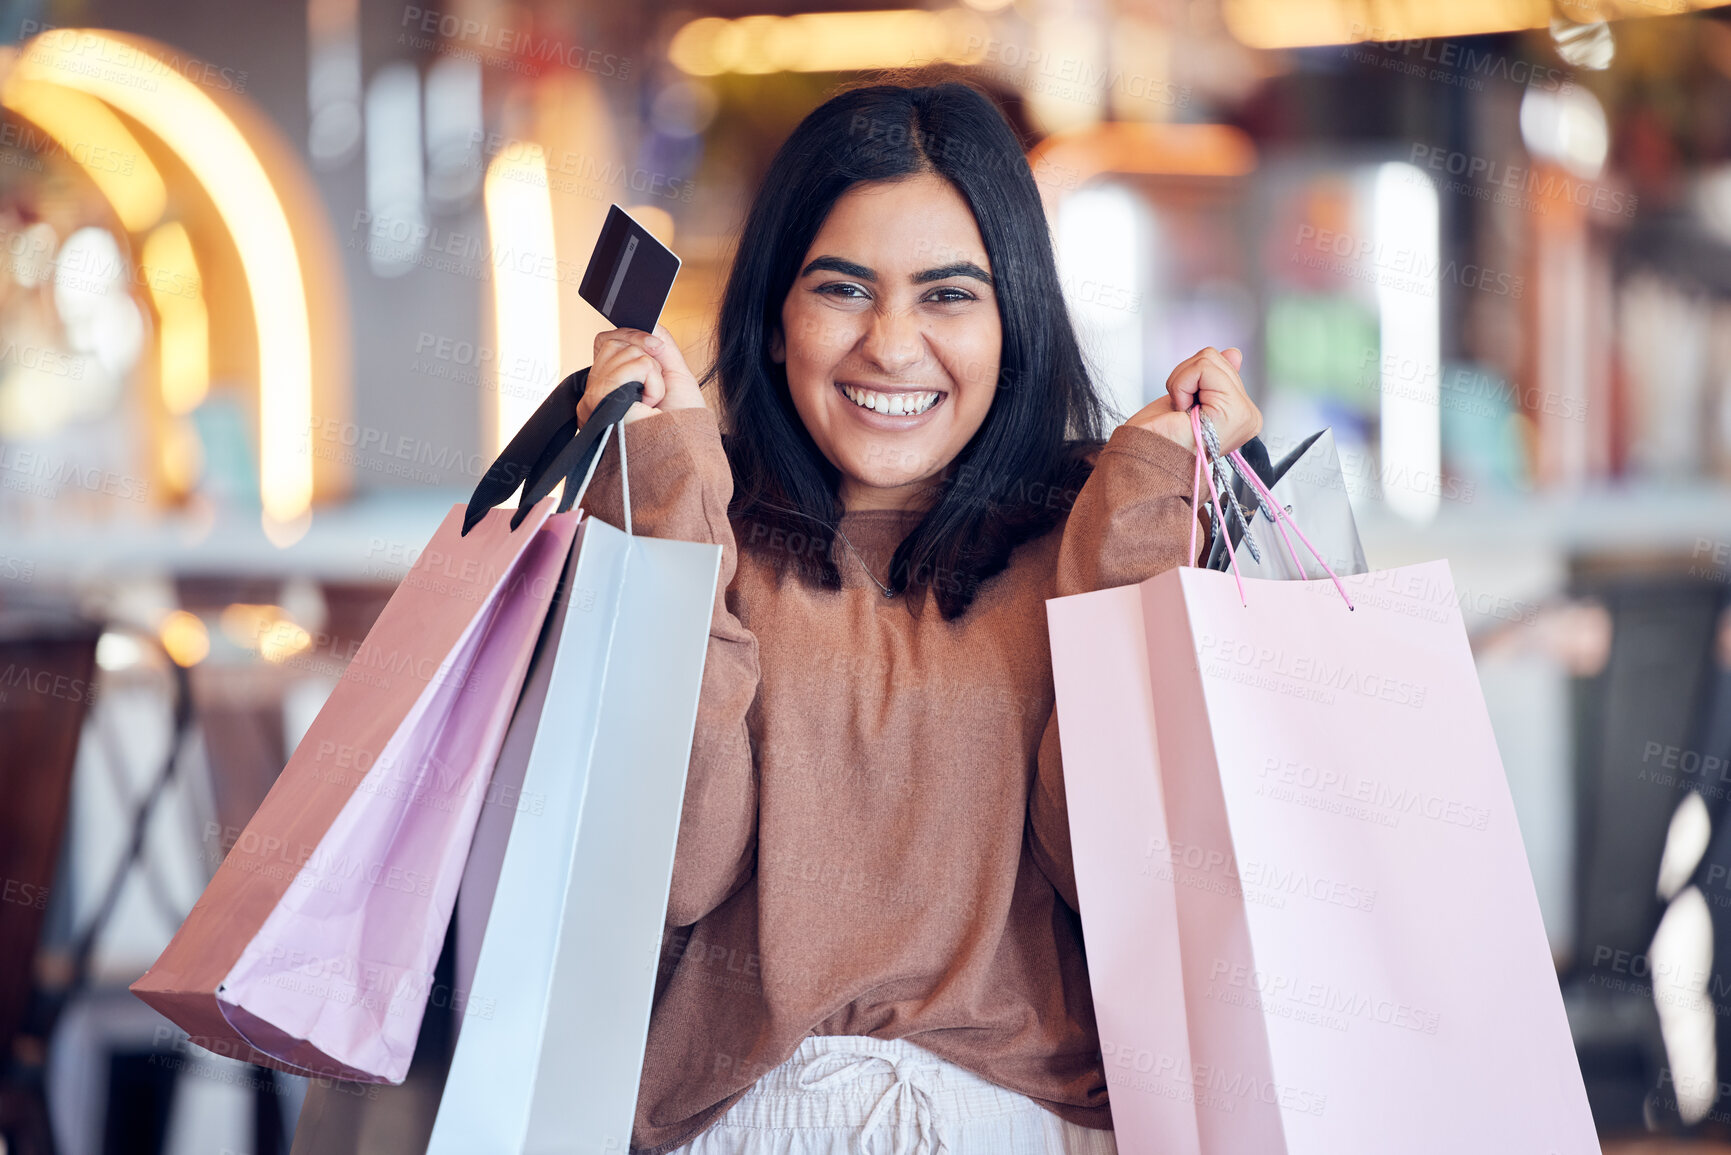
(1298, 23)
(1069, 160)
(184, 637)
(116, 70)
(98, 142)
(184, 335)
(828, 41)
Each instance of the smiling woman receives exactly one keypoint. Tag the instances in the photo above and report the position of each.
(873, 913)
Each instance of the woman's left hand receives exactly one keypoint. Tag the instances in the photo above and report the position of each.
(1211, 379)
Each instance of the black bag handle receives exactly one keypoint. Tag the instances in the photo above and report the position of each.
(549, 448)
(571, 463)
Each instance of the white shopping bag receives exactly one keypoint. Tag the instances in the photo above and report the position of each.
(551, 1039)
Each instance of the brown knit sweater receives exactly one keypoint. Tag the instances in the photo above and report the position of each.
(875, 839)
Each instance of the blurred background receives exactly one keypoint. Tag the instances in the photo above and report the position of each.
(276, 280)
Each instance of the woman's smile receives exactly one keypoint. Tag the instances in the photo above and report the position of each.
(891, 407)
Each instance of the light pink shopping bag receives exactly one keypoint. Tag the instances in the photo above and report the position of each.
(1310, 924)
(313, 947)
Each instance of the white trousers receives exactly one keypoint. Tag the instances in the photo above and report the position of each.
(853, 1095)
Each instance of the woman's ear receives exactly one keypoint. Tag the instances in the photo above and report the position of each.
(777, 347)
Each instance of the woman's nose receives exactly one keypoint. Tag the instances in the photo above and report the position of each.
(894, 343)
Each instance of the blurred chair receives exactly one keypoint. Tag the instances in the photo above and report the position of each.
(47, 667)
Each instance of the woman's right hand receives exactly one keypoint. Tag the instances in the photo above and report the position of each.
(624, 355)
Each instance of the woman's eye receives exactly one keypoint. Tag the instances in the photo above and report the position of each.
(843, 289)
(949, 295)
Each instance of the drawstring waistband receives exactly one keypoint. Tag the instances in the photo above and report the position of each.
(912, 1098)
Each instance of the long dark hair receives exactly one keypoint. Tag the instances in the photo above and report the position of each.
(1018, 474)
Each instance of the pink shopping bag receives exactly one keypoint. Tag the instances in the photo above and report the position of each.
(1310, 924)
(313, 947)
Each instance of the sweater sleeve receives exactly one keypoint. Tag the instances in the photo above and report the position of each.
(680, 489)
(1131, 521)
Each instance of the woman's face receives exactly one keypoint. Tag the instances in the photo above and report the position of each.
(891, 337)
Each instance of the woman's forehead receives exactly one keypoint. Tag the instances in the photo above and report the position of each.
(901, 227)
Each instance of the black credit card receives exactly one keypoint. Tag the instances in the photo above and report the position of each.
(629, 275)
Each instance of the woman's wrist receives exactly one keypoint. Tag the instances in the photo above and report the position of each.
(1175, 427)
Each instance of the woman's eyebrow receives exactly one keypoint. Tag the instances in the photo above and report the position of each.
(959, 269)
(837, 265)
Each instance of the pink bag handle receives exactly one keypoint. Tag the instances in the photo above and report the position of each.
(1280, 512)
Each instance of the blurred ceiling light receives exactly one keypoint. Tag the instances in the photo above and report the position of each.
(1712, 199)
(1298, 23)
(1102, 243)
(93, 298)
(1583, 45)
(184, 637)
(1566, 126)
(454, 131)
(397, 233)
(519, 212)
(1077, 47)
(828, 41)
(180, 455)
(1153, 150)
(225, 164)
(118, 651)
(988, 5)
(333, 80)
(1410, 429)
(243, 622)
(1066, 161)
(89, 133)
(269, 630)
(1680, 960)
(1685, 842)
(282, 641)
(183, 337)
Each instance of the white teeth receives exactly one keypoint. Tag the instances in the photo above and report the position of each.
(893, 404)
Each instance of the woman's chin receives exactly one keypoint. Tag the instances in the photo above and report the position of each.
(876, 488)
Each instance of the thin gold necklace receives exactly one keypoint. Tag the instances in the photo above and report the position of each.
(888, 592)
